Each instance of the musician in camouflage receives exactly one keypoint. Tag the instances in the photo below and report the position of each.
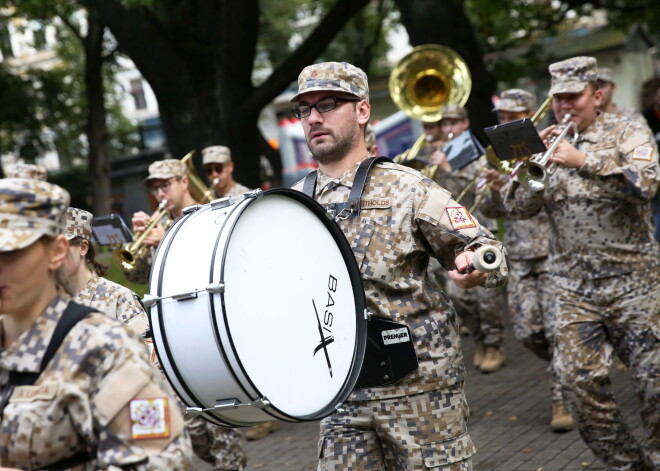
(92, 399)
(219, 168)
(81, 276)
(481, 311)
(604, 264)
(529, 291)
(607, 86)
(33, 171)
(405, 218)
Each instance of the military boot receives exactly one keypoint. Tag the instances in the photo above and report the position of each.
(257, 432)
(493, 359)
(561, 418)
(478, 357)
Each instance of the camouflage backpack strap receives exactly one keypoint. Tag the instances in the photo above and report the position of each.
(350, 208)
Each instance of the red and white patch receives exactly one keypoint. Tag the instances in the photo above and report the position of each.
(153, 356)
(150, 418)
(643, 153)
(460, 218)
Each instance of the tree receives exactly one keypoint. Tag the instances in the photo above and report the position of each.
(199, 58)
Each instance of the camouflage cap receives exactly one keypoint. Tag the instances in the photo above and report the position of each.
(515, 100)
(604, 74)
(164, 169)
(454, 111)
(216, 155)
(78, 223)
(572, 75)
(30, 209)
(333, 76)
(369, 136)
(36, 172)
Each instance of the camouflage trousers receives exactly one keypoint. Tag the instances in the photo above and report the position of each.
(530, 299)
(411, 433)
(481, 310)
(618, 315)
(218, 446)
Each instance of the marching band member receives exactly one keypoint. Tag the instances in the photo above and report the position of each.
(76, 387)
(219, 168)
(421, 420)
(605, 264)
(479, 310)
(529, 291)
(608, 87)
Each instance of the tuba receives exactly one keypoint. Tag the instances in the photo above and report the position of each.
(421, 84)
(198, 190)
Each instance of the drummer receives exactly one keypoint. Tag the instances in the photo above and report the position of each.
(88, 404)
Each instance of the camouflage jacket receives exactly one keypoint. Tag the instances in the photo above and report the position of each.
(599, 214)
(99, 394)
(110, 298)
(236, 190)
(406, 219)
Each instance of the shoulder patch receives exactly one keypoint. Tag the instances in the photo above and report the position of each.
(460, 218)
(643, 153)
(150, 418)
(434, 204)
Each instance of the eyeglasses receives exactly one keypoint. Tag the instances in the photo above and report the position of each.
(163, 186)
(213, 167)
(322, 106)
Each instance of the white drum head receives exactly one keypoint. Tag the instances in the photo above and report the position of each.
(290, 307)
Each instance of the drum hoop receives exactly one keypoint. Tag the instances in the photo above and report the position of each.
(358, 295)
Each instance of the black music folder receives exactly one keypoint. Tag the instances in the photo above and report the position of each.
(515, 140)
(110, 230)
(462, 150)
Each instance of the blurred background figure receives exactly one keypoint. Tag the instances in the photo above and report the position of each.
(219, 169)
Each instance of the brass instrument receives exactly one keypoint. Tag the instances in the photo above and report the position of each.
(505, 167)
(535, 171)
(421, 84)
(126, 256)
(198, 190)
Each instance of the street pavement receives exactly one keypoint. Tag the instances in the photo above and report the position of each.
(509, 422)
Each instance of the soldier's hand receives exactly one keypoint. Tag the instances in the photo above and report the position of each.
(155, 235)
(567, 156)
(439, 158)
(140, 220)
(462, 276)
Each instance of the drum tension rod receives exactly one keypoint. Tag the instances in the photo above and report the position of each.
(214, 288)
(261, 403)
(231, 200)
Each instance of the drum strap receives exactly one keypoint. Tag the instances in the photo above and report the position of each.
(350, 208)
(72, 314)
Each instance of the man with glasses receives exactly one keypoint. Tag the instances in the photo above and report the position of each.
(219, 169)
(401, 221)
(605, 264)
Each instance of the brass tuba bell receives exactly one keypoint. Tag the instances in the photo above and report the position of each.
(198, 190)
(428, 78)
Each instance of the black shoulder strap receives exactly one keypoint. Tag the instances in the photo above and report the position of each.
(72, 314)
(351, 208)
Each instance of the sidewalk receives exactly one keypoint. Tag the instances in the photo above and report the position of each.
(510, 417)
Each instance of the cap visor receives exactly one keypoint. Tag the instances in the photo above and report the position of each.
(16, 239)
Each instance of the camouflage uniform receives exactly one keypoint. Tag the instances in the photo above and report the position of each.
(393, 242)
(92, 396)
(605, 74)
(222, 155)
(605, 267)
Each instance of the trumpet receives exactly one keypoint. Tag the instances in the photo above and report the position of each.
(126, 256)
(535, 172)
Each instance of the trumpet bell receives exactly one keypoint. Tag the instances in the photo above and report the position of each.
(125, 258)
(428, 78)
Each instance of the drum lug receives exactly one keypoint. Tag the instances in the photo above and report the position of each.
(215, 288)
(339, 409)
(149, 300)
(191, 209)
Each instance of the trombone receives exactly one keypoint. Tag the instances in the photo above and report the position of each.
(421, 84)
(535, 172)
(126, 256)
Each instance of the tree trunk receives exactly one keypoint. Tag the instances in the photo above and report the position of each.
(445, 22)
(99, 160)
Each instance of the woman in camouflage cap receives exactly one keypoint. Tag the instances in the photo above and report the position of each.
(92, 397)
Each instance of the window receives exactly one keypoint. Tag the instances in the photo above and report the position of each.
(137, 91)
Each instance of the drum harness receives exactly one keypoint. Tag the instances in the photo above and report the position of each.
(389, 355)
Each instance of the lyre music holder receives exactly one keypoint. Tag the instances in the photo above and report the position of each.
(110, 230)
(515, 140)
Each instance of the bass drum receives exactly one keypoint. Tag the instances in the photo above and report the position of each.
(257, 309)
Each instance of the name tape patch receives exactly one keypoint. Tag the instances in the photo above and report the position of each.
(43, 392)
(376, 203)
(460, 218)
(395, 336)
(150, 418)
